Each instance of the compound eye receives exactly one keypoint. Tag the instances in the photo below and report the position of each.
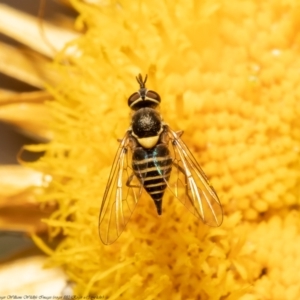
(153, 95)
(134, 97)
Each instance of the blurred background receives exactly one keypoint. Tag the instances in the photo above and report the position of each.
(24, 120)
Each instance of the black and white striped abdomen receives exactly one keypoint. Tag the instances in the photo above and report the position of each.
(153, 168)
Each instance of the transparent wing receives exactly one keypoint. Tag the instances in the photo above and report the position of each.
(190, 185)
(121, 195)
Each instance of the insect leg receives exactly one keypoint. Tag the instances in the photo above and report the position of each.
(128, 182)
(187, 188)
(179, 168)
(179, 133)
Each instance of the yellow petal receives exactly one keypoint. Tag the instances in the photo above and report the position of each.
(26, 29)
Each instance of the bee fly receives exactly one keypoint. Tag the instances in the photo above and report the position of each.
(145, 159)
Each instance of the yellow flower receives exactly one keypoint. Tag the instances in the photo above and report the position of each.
(227, 73)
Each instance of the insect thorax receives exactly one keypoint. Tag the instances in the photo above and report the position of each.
(146, 127)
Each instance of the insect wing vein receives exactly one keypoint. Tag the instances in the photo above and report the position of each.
(190, 185)
(120, 197)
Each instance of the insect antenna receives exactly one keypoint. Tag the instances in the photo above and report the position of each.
(140, 80)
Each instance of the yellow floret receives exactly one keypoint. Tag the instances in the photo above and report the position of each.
(228, 75)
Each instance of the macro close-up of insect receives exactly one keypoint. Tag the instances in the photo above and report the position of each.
(152, 156)
(128, 172)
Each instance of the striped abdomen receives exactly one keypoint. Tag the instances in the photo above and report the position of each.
(153, 168)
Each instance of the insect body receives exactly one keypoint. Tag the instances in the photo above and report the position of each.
(145, 159)
(153, 168)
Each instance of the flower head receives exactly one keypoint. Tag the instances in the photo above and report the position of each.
(227, 74)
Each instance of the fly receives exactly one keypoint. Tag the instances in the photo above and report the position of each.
(152, 156)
